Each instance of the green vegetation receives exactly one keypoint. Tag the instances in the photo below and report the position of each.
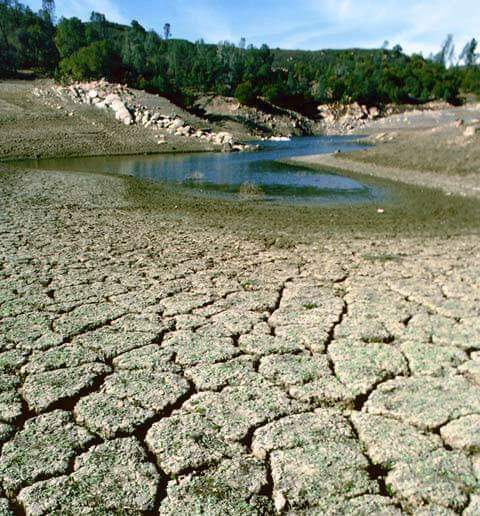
(181, 70)
(95, 61)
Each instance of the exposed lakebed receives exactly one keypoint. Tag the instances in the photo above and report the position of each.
(258, 175)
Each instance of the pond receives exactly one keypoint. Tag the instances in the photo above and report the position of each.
(251, 175)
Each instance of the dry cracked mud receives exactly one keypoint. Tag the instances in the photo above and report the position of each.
(150, 364)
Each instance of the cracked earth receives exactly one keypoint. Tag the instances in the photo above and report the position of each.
(150, 365)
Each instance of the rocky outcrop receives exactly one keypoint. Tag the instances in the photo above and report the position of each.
(262, 121)
(122, 101)
(344, 118)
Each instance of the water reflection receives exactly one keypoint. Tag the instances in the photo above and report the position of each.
(255, 175)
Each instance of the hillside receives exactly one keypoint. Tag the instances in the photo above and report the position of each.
(183, 71)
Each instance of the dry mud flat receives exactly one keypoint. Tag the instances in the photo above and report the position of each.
(151, 364)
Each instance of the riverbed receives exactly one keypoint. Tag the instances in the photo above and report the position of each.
(253, 175)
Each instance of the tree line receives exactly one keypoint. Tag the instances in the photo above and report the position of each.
(182, 70)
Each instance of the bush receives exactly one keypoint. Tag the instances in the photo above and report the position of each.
(245, 94)
(7, 60)
(93, 62)
(471, 80)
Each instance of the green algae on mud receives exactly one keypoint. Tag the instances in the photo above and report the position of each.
(407, 211)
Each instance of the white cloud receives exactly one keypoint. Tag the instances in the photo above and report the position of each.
(416, 25)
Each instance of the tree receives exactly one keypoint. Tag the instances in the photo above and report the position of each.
(468, 54)
(245, 93)
(96, 30)
(167, 31)
(48, 7)
(243, 43)
(70, 36)
(447, 52)
(93, 62)
(34, 42)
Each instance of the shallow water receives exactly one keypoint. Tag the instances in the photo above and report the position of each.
(256, 175)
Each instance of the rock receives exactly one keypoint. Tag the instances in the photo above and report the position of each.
(471, 131)
(389, 442)
(92, 94)
(223, 138)
(321, 426)
(106, 480)
(185, 442)
(463, 434)
(304, 475)
(176, 124)
(192, 349)
(236, 410)
(121, 112)
(442, 478)
(362, 366)
(111, 98)
(42, 390)
(425, 402)
(434, 360)
(44, 447)
(374, 113)
(233, 487)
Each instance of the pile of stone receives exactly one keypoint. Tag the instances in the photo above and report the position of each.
(121, 100)
(347, 117)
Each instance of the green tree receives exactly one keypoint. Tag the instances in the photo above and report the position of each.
(70, 36)
(468, 54)
(245, 93)
(93, 62)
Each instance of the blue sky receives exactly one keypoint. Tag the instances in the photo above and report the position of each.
(419, 26)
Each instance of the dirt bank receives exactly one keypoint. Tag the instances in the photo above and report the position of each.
(425, 148)
(33, 127)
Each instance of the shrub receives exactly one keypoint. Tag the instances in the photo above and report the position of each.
(93, 62)
(245, 94)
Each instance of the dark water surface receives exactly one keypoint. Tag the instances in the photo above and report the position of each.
(254, 175)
